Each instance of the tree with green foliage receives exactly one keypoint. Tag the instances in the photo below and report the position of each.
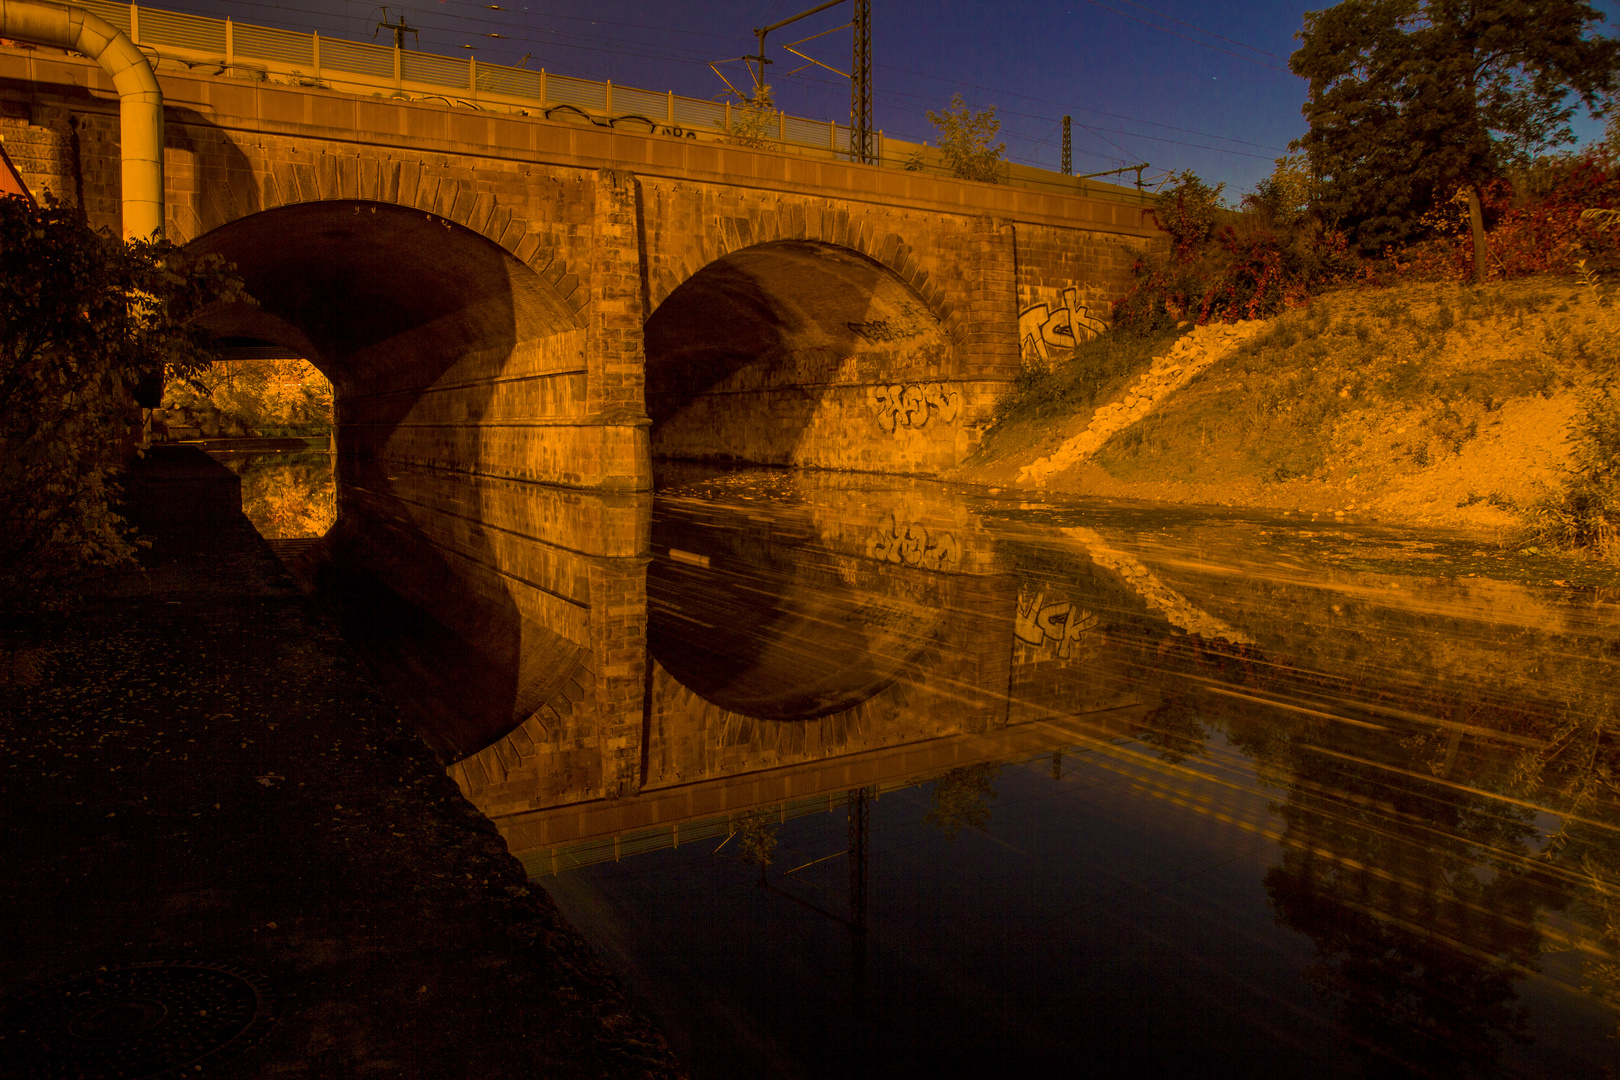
(1186, 210)
(1250, 267)
(964, 141)
(85, 319)
(1284, 198)
(1412, 101)
(756, 122)
(255, 397)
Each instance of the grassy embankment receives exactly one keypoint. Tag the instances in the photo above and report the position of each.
(1422, 404)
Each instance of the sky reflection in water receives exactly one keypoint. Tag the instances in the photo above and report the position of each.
(1142, 789)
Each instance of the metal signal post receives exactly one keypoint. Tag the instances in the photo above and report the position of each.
(862, 138)
(862, 145)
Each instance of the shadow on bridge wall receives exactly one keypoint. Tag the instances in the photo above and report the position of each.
(444, 350)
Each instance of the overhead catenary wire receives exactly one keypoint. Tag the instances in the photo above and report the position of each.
(674, 54)
(466, 16)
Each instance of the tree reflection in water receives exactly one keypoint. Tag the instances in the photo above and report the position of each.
(1412, 856)
(1576, 768)
(1419, 954)
(286, 496)
(961, 799)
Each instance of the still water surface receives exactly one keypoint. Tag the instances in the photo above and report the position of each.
(863, 776)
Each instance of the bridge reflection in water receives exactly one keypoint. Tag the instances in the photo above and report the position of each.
(1026, 788)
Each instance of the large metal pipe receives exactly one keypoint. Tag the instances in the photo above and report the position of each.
(140, 102)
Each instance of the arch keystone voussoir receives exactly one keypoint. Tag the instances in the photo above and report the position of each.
(499, 218)
(326, 177)
(348, 177)
(409, 179)
(388, 182)
(368, 176)
(305, 187)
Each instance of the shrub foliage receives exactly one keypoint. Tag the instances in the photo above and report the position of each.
(1251, 266)
(84, 319)
(964, 138)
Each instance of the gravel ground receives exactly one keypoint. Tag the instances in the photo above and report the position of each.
(194, 768)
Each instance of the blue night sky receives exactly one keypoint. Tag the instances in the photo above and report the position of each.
(1178, 84)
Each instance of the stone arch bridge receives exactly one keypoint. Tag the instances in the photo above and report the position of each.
(553, 302)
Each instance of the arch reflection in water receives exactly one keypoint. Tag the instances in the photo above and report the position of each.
(781, 616)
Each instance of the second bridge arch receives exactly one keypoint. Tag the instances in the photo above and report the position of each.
(800, 352)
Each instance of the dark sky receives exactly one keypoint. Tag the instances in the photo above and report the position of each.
(1178, 84)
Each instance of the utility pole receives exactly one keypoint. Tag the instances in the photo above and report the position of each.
(761, 31)
(1068, 150)
(400, 29)
(862, 144)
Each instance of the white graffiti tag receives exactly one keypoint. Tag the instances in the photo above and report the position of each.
(1041, 329)
(910, 405)
(913, 545)
(1039, 622)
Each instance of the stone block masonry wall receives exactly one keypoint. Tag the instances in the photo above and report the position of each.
(616, 362)
(1067, 280)
(990, 348)
(619, 654)
(71, 155)
(610, 223)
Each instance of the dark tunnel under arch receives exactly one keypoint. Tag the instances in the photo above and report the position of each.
(768, 353)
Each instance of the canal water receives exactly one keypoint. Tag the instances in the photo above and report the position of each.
(867, 776)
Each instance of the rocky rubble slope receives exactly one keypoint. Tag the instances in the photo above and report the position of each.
(1190, 356)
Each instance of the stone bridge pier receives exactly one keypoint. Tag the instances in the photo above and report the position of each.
(507, 296)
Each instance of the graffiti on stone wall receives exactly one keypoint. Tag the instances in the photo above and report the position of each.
(912, 405)
(1042, 328)
(912, 544)
(1058, 622)
(882, 331)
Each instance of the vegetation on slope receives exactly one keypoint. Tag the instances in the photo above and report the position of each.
(1048, 394)
(1364, 379)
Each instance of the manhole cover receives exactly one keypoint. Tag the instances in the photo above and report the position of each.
(155, 1019)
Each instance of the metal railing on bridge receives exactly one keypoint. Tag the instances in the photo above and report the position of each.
(241, 50)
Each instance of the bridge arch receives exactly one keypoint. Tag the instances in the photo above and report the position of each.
(236, 187)
(722, 236)
(798, 351)
(442, 346)
(453, 364)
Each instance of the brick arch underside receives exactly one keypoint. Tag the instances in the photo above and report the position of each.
(224, 185)
(452, 360)
(444, 348)
(803, 352)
